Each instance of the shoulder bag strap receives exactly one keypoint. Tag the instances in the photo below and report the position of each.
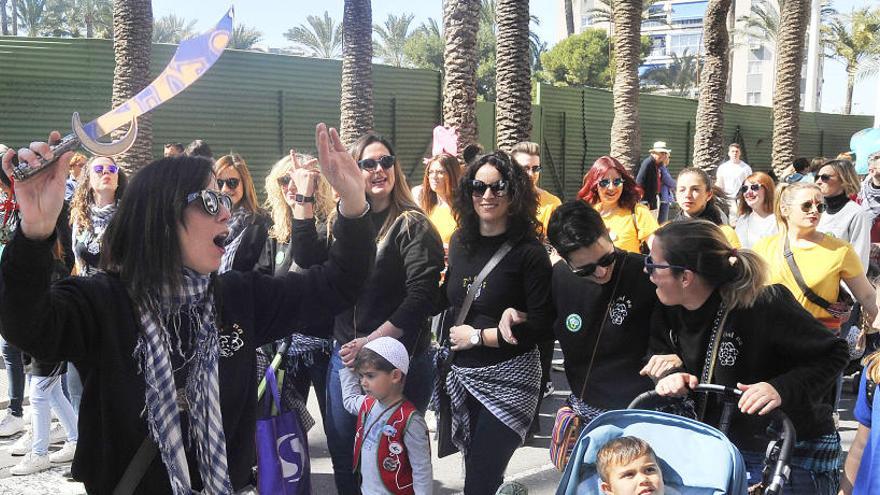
(712, 358)
(602, 327)
(137, 468)
(478, 281)
(796, 272)
(636, 224)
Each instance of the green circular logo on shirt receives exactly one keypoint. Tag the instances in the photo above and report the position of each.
(279, 257)
(573, 323)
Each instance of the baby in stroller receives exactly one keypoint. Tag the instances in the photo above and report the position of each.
(628, 466)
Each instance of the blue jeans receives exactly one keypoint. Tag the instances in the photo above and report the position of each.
(47, 396)
(801, 481)
(663, 213)
(74, 386)
(14, 375)
(340, 425)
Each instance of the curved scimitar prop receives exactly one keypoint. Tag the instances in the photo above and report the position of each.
(100, 148)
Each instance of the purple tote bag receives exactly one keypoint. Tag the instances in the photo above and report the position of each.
(282, 450)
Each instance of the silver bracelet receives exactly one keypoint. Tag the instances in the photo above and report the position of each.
(339, 210)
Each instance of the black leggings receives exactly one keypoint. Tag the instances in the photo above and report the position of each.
(491, 447)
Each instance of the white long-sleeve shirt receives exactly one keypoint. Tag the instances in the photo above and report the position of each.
(415, 439)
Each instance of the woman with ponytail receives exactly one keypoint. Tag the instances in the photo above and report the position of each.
(768, 346)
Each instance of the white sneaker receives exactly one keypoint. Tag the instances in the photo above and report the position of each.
(32, 463)
(57, 434)
(63, 455)
(11, 425)
(23, 445)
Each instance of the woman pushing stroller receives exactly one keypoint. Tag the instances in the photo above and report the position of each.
(730, 328)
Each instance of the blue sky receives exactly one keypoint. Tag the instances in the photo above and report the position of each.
(274, 17)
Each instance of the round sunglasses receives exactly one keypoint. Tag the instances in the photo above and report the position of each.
(807, 207)
(99, 169)
(211, 200)
(230, 183)
(604, 183)
(750, 187)
(385, 162)
(478, 188)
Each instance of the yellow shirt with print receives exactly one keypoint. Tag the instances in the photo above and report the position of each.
(622, 226)
(444, 222)
(546, 204)
(822, 265)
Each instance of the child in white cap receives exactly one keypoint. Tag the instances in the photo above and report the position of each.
(392, 452)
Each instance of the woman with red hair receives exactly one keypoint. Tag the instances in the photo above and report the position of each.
(613, 191)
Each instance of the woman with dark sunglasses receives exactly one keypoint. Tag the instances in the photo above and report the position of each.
(755, 202)
(613, 191)
(249, 225)
(762, 342)
(495, 386)
(93, 205)
(844, 219)
(397, 300)
(166, 343)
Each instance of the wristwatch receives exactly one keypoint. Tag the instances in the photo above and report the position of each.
(477, 337)
(299, 198)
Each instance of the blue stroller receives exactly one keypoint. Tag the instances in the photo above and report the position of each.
(696, 459)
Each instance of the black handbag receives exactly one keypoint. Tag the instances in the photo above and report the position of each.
(445, 446)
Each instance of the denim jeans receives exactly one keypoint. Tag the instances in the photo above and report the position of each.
(801, 481)
(14, 375)
(47, 396)
(74, 386)
(339, 424)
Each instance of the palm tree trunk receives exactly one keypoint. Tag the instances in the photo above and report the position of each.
(626, 139)
(569, 17)
(132, 38)
(850, 85)
(4, 19)
(709, 138)
(15, 17)
(357, 70)
(513, 74)
(461, 21)
(787, 95)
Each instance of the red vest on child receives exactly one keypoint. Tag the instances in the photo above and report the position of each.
(393, 461)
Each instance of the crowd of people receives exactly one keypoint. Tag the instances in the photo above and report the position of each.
(147, 304)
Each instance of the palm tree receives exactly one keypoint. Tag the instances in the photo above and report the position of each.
(132, 33)
(762, 23)
(461, 23)
(4, 19)
(244, 37)
(855, 40)
(322, 37)
(626, 139)
(787, 94)
(603, 12)
(172, 29)
(33, 16)
(513, 79)
(392, 38)
(357, 70)
(679, 77)
(569, 17)
(15, 18)
(96, 15)
(709, 138)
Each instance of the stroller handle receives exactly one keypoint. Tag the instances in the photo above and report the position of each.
(789, 438)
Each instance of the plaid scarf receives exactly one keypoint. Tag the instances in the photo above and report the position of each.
(161, 320)
(237, 224)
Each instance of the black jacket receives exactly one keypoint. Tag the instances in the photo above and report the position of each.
(647, 179)
(253, 242)
(775, 341)
(91, 321)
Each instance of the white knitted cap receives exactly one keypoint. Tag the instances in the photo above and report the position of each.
(392, 350)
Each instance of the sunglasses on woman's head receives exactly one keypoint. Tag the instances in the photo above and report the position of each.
(808, 207)
(604, 183)
(752, 187)
(478, 188)
(230, 183)
(650, 266)
(385, 162)
(587, 270)
(99, 169)
(211, 200)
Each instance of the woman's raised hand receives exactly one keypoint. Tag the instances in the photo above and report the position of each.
(305, 175)
(341, 171)
(40, 197)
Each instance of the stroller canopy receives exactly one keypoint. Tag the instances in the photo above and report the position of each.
(695, 458)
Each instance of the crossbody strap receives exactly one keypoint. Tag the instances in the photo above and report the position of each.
(636, 224)
(602, 327)
(478, 281)
(796, 272)
(137, 468)
(712, 354)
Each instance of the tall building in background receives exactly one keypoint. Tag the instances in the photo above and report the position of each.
(676, 27)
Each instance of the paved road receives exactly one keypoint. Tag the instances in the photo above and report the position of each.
(530, 465)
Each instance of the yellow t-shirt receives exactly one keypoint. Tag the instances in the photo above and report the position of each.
(731, 236)
(822, 265)
(622, 227)
(444, 222)
(546, 204)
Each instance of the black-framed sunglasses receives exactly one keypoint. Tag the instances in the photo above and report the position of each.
(807, 207)
(604, 183)
(532, 170)
(589, 269)
(824, 177)
(211, 200)
(478, 188)
(284, 180)
(750, 187)
(99, 169)
(230, 183)
(385, 162)
(650, 266)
